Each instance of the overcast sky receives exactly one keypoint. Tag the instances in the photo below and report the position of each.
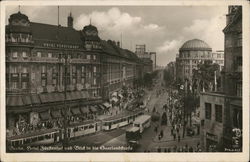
(162, 28)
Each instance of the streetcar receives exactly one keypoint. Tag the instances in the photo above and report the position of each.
(142, 122)
(120, 120)
(85, 128)
(44, 137)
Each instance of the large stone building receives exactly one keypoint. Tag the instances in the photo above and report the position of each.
(43, 60)
(140, 51)
(190, 55)
(221, 112)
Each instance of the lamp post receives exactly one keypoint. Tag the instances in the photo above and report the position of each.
(64, 60)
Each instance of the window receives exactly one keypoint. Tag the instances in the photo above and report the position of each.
(54, 81)
(239, 89)
(43, 69)
(88, 57)
(13, 69)
(237, 118)
(49, 55)
(83, 80)
(14, 54)
(74, 69)
(83, 69)
(14, 85)
(74, 81)
(24, 85)
(218, 113)
(239, 40)
(24, 54)
(94, 81)
(94, 69)
(24, 70)
(208, 110)
(38, 54)
(94, 57)
(239, 61)
(44, 82)
(219, 55)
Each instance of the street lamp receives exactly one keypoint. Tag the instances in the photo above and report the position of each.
(63, 57)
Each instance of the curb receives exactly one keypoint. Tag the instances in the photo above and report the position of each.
(160, 141)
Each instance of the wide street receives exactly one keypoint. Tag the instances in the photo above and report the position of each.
(149, 142)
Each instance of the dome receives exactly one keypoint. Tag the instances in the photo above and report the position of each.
(18, 16)
(90, 27)
(195, 44)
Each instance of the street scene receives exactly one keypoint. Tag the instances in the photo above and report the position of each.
(121, 79)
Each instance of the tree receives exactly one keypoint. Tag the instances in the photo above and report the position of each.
(203, 76)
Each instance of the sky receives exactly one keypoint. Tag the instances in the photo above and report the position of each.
(163, 29)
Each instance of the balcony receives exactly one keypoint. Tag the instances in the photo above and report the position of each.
(80, 61)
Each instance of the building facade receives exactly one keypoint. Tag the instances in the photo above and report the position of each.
(225, 134)
(49, 66)
(190, 55)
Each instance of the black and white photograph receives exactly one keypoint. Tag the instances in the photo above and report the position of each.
(123, 79)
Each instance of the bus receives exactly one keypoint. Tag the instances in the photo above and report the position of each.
(44, 137)
(142, 122)
(133, 135)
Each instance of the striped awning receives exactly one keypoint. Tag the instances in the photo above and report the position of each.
(14, 101)
(93, 109)
(84, 110)
(102, 107)
(56, 114)
(75, 111)
(106, 104)
(44, 115)
(35, 99)
(26, 100)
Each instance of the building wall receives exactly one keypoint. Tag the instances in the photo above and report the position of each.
(212, 130)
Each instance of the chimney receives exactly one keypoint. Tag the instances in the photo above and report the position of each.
(70, 20)
(118, 44)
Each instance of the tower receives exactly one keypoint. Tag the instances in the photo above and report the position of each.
(70, 20)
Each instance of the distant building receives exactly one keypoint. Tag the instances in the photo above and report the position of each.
(190, 55)
(221, 112)
(140, 51)
(218, 58)
(153, 58)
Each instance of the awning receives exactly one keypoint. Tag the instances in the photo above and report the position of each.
(114, 94)
(75, 111)
(78, 95)
(44, 98)
(106, 104)
(14, 101)
(102, 107)
(74, 95)
(93, 109)
(114, 99)
(26, 100)
(68, 112)
(84, 94)
(84, 110)
(236, 102)
(44, 115)
(68, 96)
(35, 99)
(59, 96)
(56, 114)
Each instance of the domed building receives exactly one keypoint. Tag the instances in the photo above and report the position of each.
(191, 53)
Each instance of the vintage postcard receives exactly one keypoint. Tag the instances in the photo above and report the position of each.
(125, 81)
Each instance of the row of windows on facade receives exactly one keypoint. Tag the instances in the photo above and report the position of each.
(54, 45)
(24, 38)
(187, 62)
(24, 83)
(25, 55)
(24, 69)
(201, 54)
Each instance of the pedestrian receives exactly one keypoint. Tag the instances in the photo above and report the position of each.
(174, 136)
(171, 131)
(161, 133)
(177, 130)
(191, 149)
(179, 138)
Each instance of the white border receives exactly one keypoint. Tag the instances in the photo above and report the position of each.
(131, 156)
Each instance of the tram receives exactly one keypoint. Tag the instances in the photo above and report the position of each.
(85, 128)
(142, 122)
(43, 137)
(119, 120)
